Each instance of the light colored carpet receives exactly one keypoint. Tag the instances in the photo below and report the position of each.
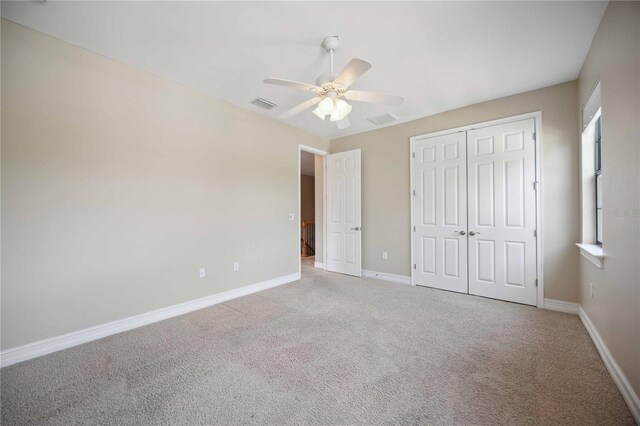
(328, 349)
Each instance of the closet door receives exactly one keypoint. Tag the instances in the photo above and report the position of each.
(440, 212)
(502, 212)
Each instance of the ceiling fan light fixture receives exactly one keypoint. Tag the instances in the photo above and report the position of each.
(319, 113)
(330, 88)
(343, 109)
(326, 106)
(340, 110)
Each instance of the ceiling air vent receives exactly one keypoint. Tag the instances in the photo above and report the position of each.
(263, 103)
(383, 119)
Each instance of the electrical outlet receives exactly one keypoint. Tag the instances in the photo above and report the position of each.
(202, 273)
(236, 266)
(385, 255)
(591, 289)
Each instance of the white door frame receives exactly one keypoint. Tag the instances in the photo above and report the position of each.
(537, 116)
(322, 154)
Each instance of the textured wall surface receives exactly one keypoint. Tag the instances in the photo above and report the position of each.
(117, 185)
(614, 309)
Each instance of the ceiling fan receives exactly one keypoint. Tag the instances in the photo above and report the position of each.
(331, 88)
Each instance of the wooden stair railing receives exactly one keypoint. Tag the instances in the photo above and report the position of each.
(308, 239)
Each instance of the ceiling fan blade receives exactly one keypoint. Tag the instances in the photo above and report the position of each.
(292, 84)
(371, 97)
(344, 123)
(354, 69)
(299, 108)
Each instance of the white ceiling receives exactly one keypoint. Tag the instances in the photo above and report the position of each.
(438, 55)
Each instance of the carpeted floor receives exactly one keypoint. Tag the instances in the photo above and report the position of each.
(328, 349)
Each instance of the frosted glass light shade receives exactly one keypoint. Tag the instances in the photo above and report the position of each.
(326, 106)
(343, 109)
(319, 113)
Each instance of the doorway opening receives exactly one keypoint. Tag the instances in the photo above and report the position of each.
(311, 212)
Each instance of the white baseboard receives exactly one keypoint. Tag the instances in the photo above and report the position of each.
(614, 370)
(319, 265)
(47, 346)
(402, 279)
(561, 306)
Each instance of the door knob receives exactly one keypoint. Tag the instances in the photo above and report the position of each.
(460, 232)
(357, 228)
(472, 233)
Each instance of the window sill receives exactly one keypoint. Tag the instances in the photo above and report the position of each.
(592, 253)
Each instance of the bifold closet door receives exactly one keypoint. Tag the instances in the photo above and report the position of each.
(440, 212)
(502, 212)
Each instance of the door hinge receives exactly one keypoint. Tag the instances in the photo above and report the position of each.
(534, 136)
(414, 266)
(536, 282)
(413, 154)
(414, 192)
(414, 229)
(535, 233)
(535, 185)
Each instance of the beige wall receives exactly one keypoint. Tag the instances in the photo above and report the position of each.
(307, 198)
(117, 185)
(614, 57)
(386, 181)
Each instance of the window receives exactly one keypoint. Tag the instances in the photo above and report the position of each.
(592, 194)
(592, 191)
(598, 179)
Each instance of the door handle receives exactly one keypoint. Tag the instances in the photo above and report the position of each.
(459, 232)
(472, 233)
(357, 228)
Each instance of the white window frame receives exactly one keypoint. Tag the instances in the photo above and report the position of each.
(591, 245)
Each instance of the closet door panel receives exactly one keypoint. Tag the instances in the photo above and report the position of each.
(440, 212)
(502, 212)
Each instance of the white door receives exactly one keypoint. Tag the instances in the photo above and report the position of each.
(440, 212)
(343, 213)
(502, 212)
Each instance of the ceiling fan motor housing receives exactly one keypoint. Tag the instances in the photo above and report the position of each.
(324, 79)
